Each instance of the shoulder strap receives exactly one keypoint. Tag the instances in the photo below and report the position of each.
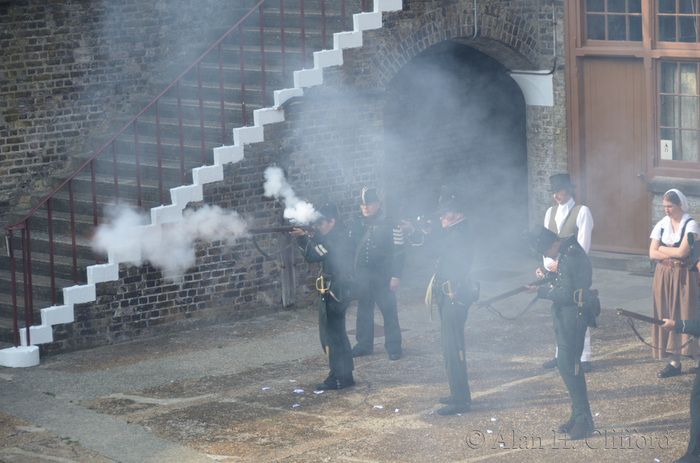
(360, 243)
(677, 244)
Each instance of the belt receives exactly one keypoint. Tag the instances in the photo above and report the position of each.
(675, 263)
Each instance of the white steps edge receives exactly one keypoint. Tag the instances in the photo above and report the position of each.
(26, 356)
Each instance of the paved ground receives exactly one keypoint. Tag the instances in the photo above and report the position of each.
(245, 392)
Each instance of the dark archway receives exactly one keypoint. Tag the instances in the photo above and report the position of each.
(454, 115)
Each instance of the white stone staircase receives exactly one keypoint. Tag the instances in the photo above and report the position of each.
(28, 355)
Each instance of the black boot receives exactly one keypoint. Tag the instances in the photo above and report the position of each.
(669, 371)
(346, 381)
(567, 426)
(581, 430)
(330, 383)
(454, 408)
(550, 363)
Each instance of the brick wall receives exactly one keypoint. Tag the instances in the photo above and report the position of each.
(331, 145)
(68, 68)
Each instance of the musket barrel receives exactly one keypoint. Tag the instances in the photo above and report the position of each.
(520, 289)
(276, 229)
(638, 316)
(505, 295)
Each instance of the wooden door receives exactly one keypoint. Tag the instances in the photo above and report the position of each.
(614, 153)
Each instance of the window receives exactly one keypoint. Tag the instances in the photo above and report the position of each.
(619, 20)
(678, 21)
(678, 111)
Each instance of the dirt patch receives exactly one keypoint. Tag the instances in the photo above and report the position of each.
(22, 442)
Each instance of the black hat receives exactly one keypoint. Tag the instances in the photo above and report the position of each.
(540, 238)
(369, 195)
(561, 182)
(449, 202)
(328, 211)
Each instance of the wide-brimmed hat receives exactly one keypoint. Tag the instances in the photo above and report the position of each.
(561, 182)
(540, 238)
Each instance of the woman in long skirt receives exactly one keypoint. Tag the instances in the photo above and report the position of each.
(675, 290)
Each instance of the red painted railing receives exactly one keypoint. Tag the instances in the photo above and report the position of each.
(127, 143)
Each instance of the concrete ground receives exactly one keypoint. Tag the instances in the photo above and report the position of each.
(244, 391)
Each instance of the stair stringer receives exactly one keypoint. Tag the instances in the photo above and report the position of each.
(28, 355)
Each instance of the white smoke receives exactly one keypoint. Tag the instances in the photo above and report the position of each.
(298, 211)
(170, 248)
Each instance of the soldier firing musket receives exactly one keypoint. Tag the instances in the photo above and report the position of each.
(453, 289)
(328, 243)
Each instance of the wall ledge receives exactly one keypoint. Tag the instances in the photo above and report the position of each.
(660, 185)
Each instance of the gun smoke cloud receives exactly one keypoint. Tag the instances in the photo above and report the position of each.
(170, 248)
(296, 210)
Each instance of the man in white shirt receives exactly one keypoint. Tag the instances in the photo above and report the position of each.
(564, 219)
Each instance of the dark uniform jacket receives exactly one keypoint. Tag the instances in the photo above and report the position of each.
(333, 251)
(378, 247)
(454, 247)
(574, 272)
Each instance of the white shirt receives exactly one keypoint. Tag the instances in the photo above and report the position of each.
(584, 222)
(670, 237)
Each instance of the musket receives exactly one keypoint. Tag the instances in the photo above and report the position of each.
(519, 289)
(638, 316)
(256, 231)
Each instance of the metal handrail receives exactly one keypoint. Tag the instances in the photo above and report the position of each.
(23, 225)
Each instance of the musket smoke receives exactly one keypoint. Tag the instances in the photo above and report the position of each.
(298, 211)
(170, 248)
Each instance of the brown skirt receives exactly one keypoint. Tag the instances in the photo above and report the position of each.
(675, 296)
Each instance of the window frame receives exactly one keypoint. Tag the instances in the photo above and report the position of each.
(585, 41)
(653, 52)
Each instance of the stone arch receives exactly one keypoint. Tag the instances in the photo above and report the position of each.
(503, 35)
(454, 116)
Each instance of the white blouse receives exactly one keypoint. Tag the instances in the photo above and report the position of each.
(669, 237)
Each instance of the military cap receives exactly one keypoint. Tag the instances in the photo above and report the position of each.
(449, 202)
(328, 211)
(561, 182)
(369, 195)
(540, 238)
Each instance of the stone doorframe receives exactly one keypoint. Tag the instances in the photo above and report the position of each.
(506, 35)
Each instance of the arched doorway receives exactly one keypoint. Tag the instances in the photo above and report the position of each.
(454, 116)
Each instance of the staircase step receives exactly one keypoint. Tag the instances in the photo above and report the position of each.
(62, 247)
(179, 118)
(41, 294)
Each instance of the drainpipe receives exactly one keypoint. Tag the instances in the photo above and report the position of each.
(476, 27)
